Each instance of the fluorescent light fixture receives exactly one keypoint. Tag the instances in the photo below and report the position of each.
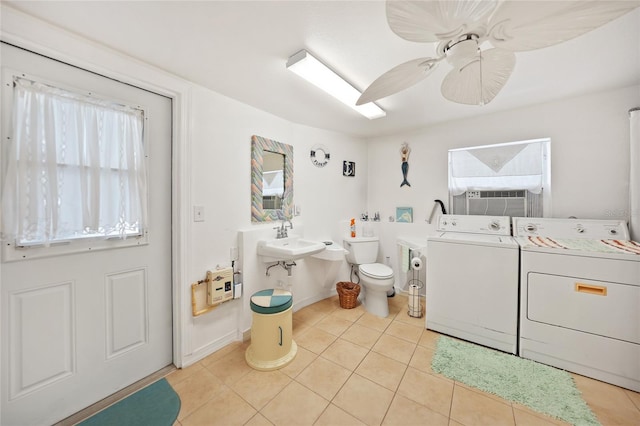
(317, 73)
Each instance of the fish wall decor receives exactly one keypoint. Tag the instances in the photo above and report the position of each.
(404, 155)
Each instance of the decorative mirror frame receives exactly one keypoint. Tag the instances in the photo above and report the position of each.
(260, 144)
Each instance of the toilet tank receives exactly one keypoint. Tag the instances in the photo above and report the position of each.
(361, 250)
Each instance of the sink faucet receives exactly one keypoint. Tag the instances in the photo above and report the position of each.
(283, 228)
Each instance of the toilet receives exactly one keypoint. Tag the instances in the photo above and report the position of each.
(375, 278)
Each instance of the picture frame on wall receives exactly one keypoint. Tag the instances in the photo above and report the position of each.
(404, 214)
(348, 168)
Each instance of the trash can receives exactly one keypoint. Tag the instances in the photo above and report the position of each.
(348, 294)
(272, 344)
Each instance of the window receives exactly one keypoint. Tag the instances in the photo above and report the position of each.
(511, 179)
(75, 169)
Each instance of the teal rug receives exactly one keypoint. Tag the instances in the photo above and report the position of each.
(156, 405)
(542, 388)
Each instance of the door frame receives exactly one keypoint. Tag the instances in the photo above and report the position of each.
(29, 33)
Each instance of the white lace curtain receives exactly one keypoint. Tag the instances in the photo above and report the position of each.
(518, 165)
(76, 167)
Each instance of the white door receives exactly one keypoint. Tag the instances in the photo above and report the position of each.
(79, 326)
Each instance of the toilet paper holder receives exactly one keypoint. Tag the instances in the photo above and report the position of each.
(416, 263)
(415, 284)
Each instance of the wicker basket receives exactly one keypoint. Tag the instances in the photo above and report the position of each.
(348, 293)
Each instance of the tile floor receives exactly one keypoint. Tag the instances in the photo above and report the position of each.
(353, 368)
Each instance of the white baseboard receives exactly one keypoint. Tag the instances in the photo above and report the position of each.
(210, 348)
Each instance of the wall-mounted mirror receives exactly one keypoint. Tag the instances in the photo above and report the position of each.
(271, 179)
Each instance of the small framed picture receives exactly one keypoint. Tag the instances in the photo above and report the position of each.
(404, 214)
(348, 168)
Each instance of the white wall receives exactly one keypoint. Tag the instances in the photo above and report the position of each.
(221, 130)
(589, 159)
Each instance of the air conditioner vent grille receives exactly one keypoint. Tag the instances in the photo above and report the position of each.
(514, 203)
(503, 194)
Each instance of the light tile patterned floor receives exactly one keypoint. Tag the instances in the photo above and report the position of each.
(353, 368)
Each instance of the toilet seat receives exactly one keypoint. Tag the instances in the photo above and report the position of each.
(377, 271)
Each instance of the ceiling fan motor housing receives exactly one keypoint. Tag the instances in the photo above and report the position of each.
(462, 49)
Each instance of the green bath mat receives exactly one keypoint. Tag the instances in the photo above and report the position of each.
(540, 387)
(156, 405)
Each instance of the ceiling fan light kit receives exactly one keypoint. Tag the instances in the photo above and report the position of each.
(462, 49)
(462, 28)
(311, 69)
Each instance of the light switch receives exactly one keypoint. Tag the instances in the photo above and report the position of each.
(198, 213)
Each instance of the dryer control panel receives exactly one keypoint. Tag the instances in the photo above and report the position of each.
(475, 224)
(596, 229)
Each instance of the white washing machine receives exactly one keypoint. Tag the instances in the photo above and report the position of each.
(472, 280)
(580, 297)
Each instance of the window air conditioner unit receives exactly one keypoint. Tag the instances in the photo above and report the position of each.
(514, 203)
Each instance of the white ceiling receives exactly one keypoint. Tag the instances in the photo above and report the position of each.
(239, 49)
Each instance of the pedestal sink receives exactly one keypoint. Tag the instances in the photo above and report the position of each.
(290, 248)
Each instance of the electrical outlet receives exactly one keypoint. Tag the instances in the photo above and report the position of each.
(198, 213)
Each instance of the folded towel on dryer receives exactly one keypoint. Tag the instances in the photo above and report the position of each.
(585, 244)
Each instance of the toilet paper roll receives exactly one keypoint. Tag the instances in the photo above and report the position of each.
(416, 264)
(415, 308)
(414, 291)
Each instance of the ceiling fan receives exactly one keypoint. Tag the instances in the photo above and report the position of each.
(478, 39)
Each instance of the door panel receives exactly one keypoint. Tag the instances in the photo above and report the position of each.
(126, 311)
(610, 311)
(78, 327)
(41, 321)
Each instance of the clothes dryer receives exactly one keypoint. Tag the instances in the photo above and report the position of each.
(472, 280)
(580, 297)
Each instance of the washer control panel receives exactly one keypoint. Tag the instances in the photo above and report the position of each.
(570, 228)
(496, 225)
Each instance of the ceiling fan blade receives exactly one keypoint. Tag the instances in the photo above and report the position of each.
(398, 78)
(521, 26)
(429, 21)
(479, 80)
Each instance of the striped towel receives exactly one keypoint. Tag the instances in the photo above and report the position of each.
(583, 244)
(404, 262)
